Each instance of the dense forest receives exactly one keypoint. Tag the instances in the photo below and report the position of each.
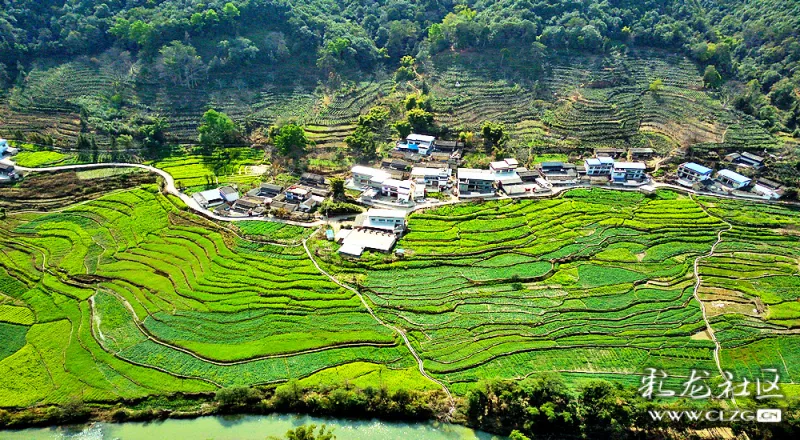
(752, 41)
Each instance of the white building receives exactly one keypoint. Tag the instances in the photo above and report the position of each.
(506, 166)
(732, 179)
(689, 173)
(477, 182)
(417, 143)
(297, 194)
(229, 194)
(365, 177)
(355, 241)
(391, 220)
(626, 171)
(209, 199)
(401, 190)
(433, 178)
(599, 166)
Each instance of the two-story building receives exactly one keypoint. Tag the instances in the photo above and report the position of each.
(433, 178)
(690, 173)
(598, 166)
(366, 177)
(475, 182)
(623, 172)
(417, 143)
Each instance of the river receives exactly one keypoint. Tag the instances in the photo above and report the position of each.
(248, 428)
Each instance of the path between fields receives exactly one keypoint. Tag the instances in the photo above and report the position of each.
(397, 330)
(717, 346)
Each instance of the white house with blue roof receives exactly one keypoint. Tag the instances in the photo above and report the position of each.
(690, 173)
(732, 179)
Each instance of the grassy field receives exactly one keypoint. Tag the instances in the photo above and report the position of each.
(593, 284)
(129, 295)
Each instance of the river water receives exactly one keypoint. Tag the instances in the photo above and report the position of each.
(249, 428)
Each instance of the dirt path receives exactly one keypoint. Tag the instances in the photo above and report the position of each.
(397, 330)
(709, 329)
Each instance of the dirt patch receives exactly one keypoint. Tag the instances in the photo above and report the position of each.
(702, 336)
(47, 191)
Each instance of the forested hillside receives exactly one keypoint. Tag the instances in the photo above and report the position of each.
(139, 73)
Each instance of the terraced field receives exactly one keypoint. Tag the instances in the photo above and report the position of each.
(130, 295)
(595, 283)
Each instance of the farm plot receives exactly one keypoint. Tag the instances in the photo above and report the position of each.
(144, 298)
(592, 283)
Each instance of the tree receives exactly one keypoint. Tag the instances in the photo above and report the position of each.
(306, 432)
(420, 120)
(403, 128)
(516, 435)
(181, 65)
(217, 129)
(337, 187)
(494, 135)
(290, 140)
(656, 86)
(362, 143)
(236, 396)
(712, 78)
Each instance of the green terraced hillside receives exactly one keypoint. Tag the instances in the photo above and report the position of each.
(129, 295)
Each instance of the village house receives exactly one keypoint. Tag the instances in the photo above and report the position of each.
(449, 146)
(312, 179)
(392, 220)
(624, 172)
(416, 143)
(7, 172)
(690, 173)
(355, 241)
(209, 198)
(365, 177)
(248, 206)
(433, 178)
(297, 193)
(598, 166)
(527, 175)
(6, 148)
(400, 190)
(395, 164)
(732, 179)
(288, 207)
(475, 182)
(641, 153)
(229, 194)
(409, 156)
(608, 152)
(745, 159)
(558, 172)
(309, 204)
(768, 188)
(267, 190)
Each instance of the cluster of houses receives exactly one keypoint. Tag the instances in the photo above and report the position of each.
(417, 166)
(699, 177)
(304, 196)
(7, 172)
(377, 230)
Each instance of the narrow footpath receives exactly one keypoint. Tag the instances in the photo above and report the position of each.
(397, 330)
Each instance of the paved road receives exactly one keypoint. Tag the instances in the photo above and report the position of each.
(193, 205)
(170, 187)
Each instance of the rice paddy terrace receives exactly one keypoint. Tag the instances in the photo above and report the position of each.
(130, 295)
(594, 283)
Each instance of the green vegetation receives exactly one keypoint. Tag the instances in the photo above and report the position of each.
(593, 283)
(100, 305)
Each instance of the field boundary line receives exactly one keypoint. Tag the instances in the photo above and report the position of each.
(397, 330)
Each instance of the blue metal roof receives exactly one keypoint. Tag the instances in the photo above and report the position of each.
(736, 177)
(697, 168)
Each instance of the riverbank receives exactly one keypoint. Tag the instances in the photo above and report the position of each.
(249, 427)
